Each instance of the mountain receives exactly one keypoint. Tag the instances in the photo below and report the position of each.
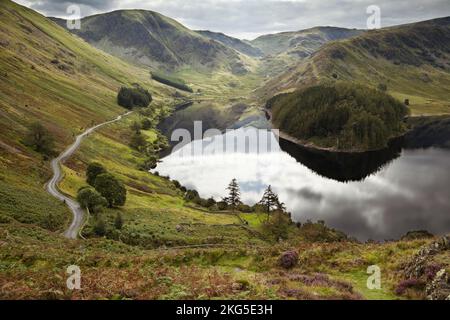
(411, 61)
(151, 39)
(236, 44)
(283, 51)
(301, 43)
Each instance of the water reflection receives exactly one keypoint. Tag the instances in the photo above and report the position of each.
(343, 166)
(399, 190)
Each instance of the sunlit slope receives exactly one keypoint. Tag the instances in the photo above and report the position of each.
(413, 61)
(55, 77)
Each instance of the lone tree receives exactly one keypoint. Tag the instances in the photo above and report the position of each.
(40, 139)
(90, 199)
(271, 202)
(94, 169)
(234, 195)
(112, 189)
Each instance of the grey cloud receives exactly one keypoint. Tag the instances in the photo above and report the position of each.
(250, 18)
(306, 193)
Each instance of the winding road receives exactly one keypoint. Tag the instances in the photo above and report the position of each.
(52, 186)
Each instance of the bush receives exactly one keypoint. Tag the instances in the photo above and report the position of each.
(90, 199)
(146, 124)
(40, 139)
(134, 97)
(93, 170)
(191, 195)
(138, 142)
(288, 260)
(112, 189)
(414, 284)
(150, 163)
(278, 225)
(222, 206)
(100, 226)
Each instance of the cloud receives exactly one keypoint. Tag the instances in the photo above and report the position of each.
(251, 18)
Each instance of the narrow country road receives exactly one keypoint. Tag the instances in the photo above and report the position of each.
(52, 185)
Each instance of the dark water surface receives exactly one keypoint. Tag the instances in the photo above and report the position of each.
(377, 195)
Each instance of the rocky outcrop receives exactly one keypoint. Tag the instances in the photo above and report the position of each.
(439, 288)
(417, 266)
(423, 267)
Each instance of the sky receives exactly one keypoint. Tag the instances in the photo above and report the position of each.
(247, 19)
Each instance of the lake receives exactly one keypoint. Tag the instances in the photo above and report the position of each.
(375, 195)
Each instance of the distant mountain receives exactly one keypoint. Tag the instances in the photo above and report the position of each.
(301, 43)
(411, 61)
(149, 38)
(236, 44)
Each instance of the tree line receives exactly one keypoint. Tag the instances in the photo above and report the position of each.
(343, 115)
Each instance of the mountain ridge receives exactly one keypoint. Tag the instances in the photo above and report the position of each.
(151, 39)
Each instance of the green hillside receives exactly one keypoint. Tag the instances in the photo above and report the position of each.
(411, 61)
(151, 39)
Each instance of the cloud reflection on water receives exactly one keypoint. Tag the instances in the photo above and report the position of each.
(410, 193)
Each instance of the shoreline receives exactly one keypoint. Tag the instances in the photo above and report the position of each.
(311, 146)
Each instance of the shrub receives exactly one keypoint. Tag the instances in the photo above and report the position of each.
(100, 226)
(138, 142)
(112, 189)
(40, 139)
(191, 195)
(210, 203)
(93, 170)
(222, 206)
(278, 225)
(134, 97)
(415, 284)
(288, 259)
(146, 124)
(150, 163)
(90, 199)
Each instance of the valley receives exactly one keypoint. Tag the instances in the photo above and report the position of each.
(171, 241)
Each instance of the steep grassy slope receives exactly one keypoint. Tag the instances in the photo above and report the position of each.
(411, 60)
(236, 44)
(151, 39)
(51, 76)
